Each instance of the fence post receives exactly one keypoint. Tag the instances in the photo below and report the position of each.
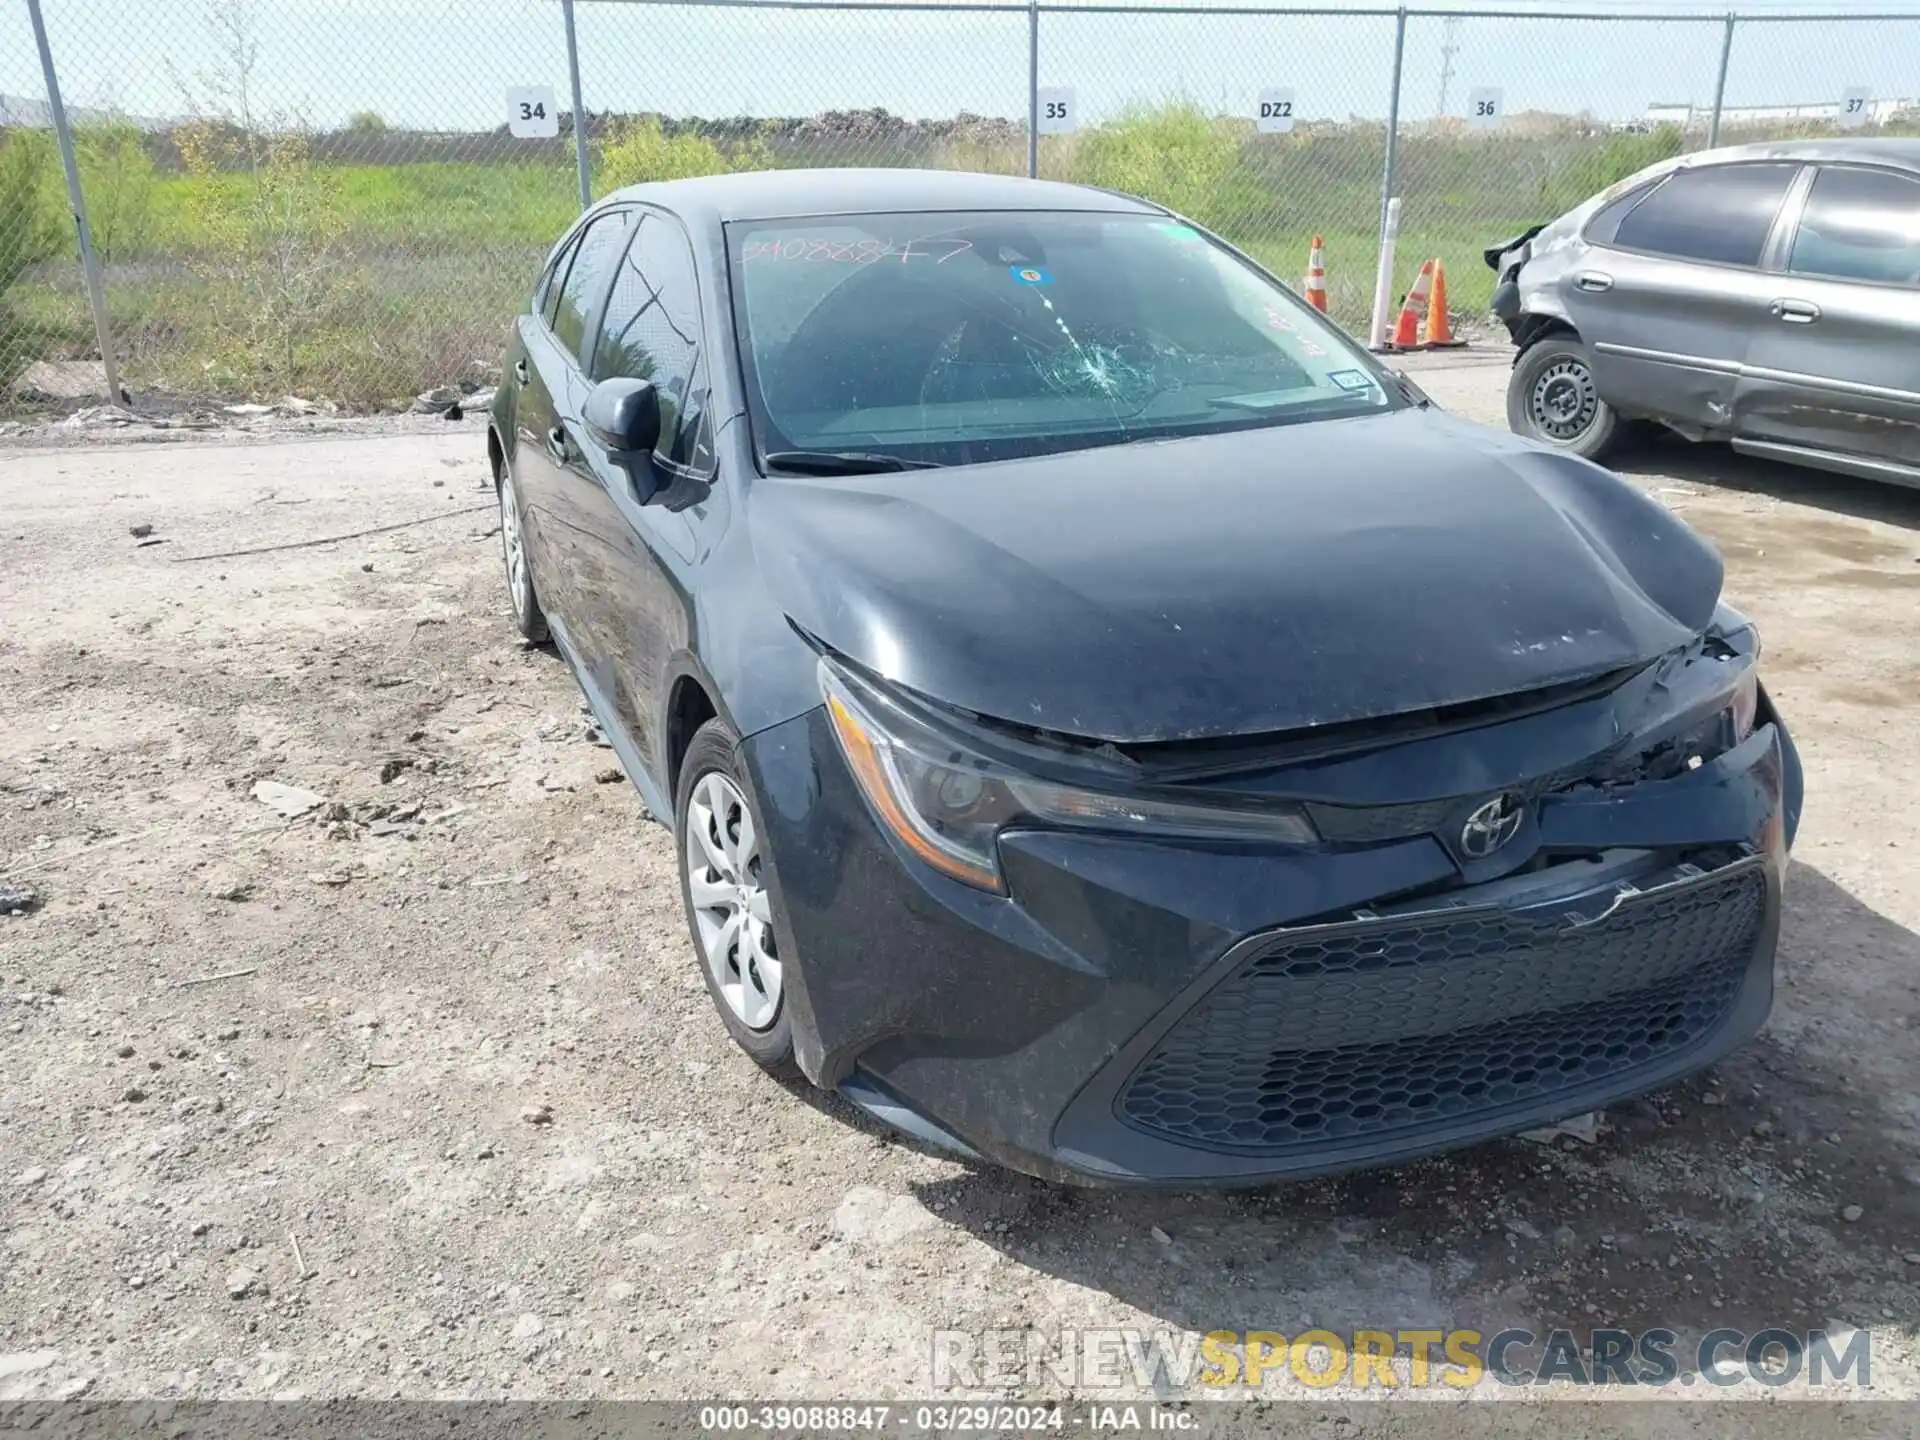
(1033, 89)
(89, 263)
(1393, 118)
(579, 110)
(1720, 85)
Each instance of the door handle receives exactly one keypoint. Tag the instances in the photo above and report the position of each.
(1794, 312)
(558, 445)
(1593, 282)
(520, 372)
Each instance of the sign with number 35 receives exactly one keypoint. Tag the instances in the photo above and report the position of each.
(1055, 113)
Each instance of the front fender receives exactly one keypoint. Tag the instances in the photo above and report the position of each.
(1793, 779)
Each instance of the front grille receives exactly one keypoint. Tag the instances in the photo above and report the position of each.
(1369, 824)
(1370, 1028)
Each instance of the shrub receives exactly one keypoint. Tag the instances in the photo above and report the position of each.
(30, 231)
(1175, 154)
(269, 244)
(1593, 169)
(639, 149)
(121, 183)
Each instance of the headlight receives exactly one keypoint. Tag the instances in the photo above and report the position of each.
(1746, 704)
(948, 806)
(1740, 636)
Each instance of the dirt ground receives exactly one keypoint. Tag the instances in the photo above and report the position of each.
(420, 1095)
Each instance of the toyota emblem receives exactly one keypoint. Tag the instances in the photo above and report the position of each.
(1490, 826)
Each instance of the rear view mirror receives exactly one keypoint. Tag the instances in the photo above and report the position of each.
(623, 417)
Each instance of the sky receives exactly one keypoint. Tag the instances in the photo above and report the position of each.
(447, 64)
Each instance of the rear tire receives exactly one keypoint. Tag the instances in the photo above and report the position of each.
(1552, 398)
(522, 598)
(721, 840)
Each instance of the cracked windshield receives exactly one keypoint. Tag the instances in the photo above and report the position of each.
(952, 339)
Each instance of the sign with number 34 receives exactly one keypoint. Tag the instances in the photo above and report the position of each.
(532, 113)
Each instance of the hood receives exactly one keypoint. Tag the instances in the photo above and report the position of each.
(1261, 581)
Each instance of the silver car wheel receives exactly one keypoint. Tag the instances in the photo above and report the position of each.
(1563, 403)
(731, 909)
(514, 545)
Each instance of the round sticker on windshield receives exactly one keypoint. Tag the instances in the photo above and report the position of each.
(1029, 275)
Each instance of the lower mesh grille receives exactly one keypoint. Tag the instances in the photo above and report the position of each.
(1379, 1026)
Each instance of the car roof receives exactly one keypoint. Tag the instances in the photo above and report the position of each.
(782, 194)
(1901, 153)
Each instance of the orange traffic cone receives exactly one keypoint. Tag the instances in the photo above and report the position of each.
(1439, 328)
(1317, 275)
(1413, 313)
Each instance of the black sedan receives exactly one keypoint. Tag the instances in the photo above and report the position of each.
(1109, 724)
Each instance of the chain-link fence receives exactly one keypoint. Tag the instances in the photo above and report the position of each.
(346, 200)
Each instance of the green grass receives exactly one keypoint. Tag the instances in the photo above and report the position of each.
(365, 284)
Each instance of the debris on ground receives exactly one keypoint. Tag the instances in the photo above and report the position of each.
(227, 883)
(288, 800)
(18, 899)
(1584, 1128)
(436, 401)
(211, 979)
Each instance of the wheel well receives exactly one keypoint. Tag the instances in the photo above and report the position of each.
(1535, 328)
(688, 709)
(496, 456)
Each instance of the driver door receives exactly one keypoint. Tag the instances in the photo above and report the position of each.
(640, 553)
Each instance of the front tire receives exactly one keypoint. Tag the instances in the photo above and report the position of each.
(1552, 398)
(723, 882)
(522, 598)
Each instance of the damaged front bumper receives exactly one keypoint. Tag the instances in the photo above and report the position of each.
(1144, 1012)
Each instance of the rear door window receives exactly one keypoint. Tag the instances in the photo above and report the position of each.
(1605, 224)
(546, 294)
(1719, 214)
(1860, 225)
(587, 277)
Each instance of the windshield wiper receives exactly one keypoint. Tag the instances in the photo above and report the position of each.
(842, 462)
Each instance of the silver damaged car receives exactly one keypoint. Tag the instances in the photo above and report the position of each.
(1763, 295)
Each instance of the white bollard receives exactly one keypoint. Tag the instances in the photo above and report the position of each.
(1383, 278)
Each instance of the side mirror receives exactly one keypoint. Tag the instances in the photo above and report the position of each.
(622, 416)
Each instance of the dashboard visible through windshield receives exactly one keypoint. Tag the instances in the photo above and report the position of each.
(948, 339)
